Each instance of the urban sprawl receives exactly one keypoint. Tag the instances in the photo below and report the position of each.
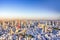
(27, 29)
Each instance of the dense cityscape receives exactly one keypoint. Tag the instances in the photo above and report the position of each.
(29, 29)
(29, 19)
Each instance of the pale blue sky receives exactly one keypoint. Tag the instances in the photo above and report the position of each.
(29, 8)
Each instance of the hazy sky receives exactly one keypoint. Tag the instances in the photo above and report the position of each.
(30, 8)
